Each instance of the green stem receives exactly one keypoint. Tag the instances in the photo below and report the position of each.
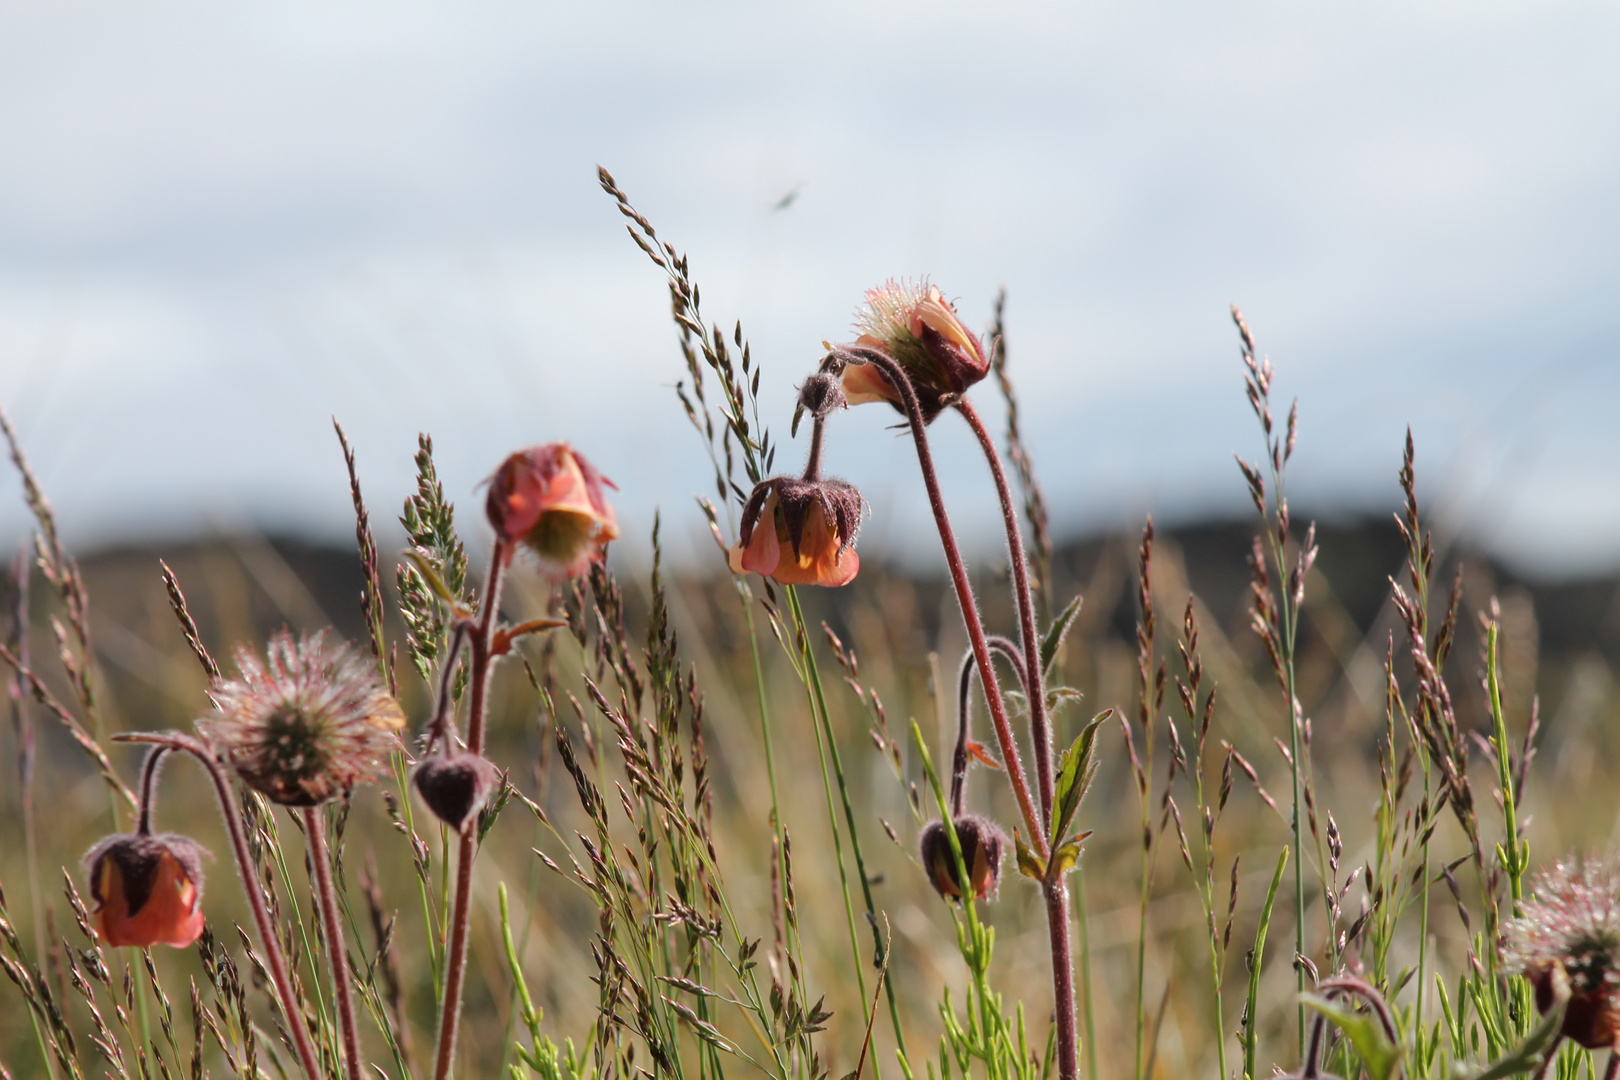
(1250, 1023)
(820, 706)
(1085, 969)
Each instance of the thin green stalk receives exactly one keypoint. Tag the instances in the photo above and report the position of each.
(832, 814)
(854, 834)
(1513, 851)
(1085, 968)
(1250, 1023)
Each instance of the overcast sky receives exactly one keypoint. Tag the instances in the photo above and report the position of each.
(221, 224)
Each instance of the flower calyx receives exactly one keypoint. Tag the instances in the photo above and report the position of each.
(800, 532)
(550, 499)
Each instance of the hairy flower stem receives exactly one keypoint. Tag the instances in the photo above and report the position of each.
(1034, 677)
(964, 590)
(336, 953)
(1053, 890)
(274, 961)
(455, 971)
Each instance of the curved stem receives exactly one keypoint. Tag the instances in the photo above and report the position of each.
(148, 789)
(274, 961)
(336, 952)
(964, 714)
(1035, 679)
(964, 590)
(456, 968)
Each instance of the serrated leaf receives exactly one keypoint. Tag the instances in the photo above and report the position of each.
(1029, 863)
(1075, 771)
(1057, 632)
(1378, 1055)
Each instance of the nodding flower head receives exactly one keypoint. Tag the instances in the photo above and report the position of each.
(456, 787)
(914, 323)
(305, 723)
(982, 844)
(147, 889)
(800, 532)
(550, 499)
(1573, 921)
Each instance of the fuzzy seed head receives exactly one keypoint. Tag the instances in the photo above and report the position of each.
(1573, 921)
(304, 724)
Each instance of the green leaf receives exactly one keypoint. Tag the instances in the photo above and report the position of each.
(1057, 632)
(1029, 863)
(1075, 771)
(1543, 1040)
(1366, 1034)
(1067, 854)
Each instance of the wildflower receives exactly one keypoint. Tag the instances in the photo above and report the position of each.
(550, 499)
(815, 521)
(456, 787)
(1573, 922)
(147, 889)
(304, 724)
(914, 323)
(982, 844)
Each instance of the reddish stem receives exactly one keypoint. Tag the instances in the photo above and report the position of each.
(274, 961)
(1035, 677)
(1053, 890)
(964, 590)
(336, 953)
(456, 970)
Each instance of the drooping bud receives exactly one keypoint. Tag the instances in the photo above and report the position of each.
(820, 395)
(306, 723)
(800, 532)
(1571, 928)
(456, 787)
(147, 889)
(915, 325)
(550, 499)
(982, 845)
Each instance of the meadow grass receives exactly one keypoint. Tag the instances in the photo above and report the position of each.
(1256, 836)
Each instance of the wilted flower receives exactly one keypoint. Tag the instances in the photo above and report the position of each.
(550, 499)
(800, 532)
(914, 323)
(982, 844)
(456, 787)
(1573, 920)
(147, 889)
(304, 724)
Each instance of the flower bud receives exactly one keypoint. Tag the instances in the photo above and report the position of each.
(147, 889)
(456, 787)
(800, 532)
(982, 844)
(820, 395)
(914, 324)
(550, 499)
